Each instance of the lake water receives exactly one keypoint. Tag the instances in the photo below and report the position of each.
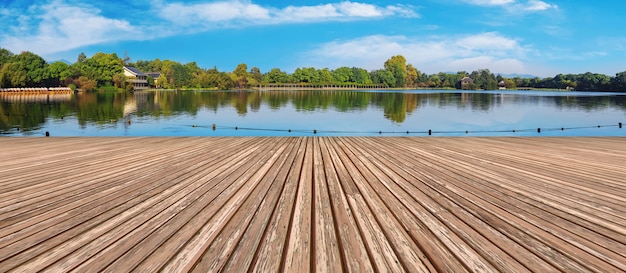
(322, 113)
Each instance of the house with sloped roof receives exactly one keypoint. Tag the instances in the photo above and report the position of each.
(466, 82)
(155, 78)
(138, 79)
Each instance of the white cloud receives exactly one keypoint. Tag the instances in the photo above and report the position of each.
(515, 6)
(59, 27)
(429, 54)
(536, 5)
(241, 12)
(490, 2)
(211, 12)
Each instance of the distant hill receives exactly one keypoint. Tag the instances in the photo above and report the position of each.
(510, 76)
(62, 60)
(522, 76)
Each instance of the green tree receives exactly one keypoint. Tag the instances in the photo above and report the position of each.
(397, 66)
(5, 56)
(361, 76)
(343, 74)
(484, 79)
(383, 76)
(326, 76)
(255, 75)
(81, 57)
(619, 81)
(176, 75)
(275, 75)
(57, 73)
(23, 70)
(306, 75)
(412, 75)
(240, 76)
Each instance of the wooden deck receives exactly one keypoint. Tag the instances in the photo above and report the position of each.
(313, 204)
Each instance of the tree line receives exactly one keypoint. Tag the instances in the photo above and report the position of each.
(106, 71)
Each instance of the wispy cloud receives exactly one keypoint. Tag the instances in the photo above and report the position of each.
(242, 13)
(515, 6)
(489, 2)
(57, 27)
(430, 54)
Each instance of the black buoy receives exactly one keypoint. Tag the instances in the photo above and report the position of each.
(620, 125)
(236, 128)
(289, 130)
(213, 126)
(314, 131)
(47, 134)
(430, 132)
(538, 130)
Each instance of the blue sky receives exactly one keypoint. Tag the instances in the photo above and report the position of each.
(537, 37)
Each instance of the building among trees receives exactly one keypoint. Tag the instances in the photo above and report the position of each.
(467, 83)
(138, 79)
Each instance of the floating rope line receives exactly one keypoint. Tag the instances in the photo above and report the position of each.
(214, 127)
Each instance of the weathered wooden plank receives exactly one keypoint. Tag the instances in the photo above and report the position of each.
(325, 243)
(398, 184)
(299, 246)
(273, 248)
(353, 252)
(347, 204)
(245, 254)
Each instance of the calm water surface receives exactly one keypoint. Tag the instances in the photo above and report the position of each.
(325, 113)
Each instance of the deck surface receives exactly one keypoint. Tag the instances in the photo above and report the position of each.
(313, 204)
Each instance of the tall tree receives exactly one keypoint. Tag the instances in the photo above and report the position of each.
(276, 76)
(361, 76)
(397, 66)
(343, 74)
(383, 76)
(81, 57)
(326, 76)
(240, 76)
(411, 75)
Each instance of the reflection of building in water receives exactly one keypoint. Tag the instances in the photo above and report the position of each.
(35, 97)
(130, 106)
(138, 101)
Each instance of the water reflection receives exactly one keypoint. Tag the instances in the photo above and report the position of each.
(23, 113)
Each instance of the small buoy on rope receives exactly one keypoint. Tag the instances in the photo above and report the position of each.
(538, 130)
(236, 128)
(314, 131)
(430, 132)
(289, 130)
(213, 126)
(466, 131)
(47, 134)
(620, 125)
